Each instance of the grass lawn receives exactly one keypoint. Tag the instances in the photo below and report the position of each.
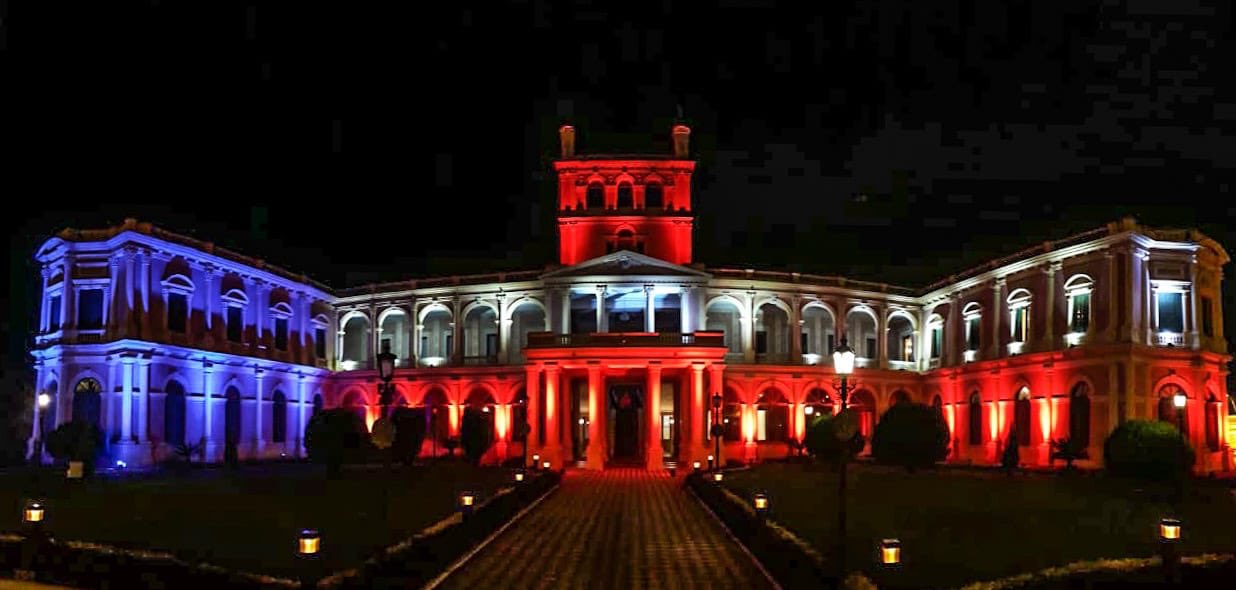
(249, 520)
(958, 527)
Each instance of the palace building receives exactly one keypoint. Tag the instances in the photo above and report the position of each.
(613, 355)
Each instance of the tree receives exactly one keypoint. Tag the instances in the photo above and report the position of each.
(473, 436)
(912, 436)
(78, 440)
(409, 434)
(1148, 449)
(822, 443)
(334, 437)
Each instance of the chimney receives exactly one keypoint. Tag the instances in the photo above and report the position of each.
(566, 136)
(681, 134)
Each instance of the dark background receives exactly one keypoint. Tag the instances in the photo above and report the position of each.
(894, 140)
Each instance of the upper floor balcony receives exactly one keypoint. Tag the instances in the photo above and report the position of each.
(624, 339)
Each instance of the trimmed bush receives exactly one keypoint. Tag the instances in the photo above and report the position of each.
(336, 436)
(409, 434)
(910, 435)
(78, 440)
(474, 437)
(1148, 449)
(822, 443)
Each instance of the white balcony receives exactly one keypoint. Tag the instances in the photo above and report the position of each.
(1075, 338)
(969, 356)
(1170, 339)
(1016, 348)
(902, 365)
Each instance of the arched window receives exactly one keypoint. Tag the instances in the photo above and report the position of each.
(1019, 315)
(231, 417)
(595, 197)
(972, 314)
(1079, 415)
(975, 422)
(87, 395)
(1021, 417)
(899, 397)
(772, 417)
(279, 418)
(1167, 408)
(653, 196)
(820, 404)
(1212, 423)
(174, 414)
(1077, 289)
(625, 241)
(625, 199)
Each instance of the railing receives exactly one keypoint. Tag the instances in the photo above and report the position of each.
(772, 357)
(551, 340)
(480, 360)
(897, 365)
(1170, 339)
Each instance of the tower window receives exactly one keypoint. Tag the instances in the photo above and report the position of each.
(653, 196)
(625, 200)
(595, 196)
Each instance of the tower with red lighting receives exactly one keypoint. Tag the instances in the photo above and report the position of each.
(639, 203)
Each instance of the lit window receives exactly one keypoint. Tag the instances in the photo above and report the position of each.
(235, 323)
(1078, 289)
(90, 312)
(1019, 315)
(53, 313)
(1170, 311)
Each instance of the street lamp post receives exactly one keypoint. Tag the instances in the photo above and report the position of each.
(386, 372)
(44, 401)
(843, 365)
(716, 430)
(1179, 400)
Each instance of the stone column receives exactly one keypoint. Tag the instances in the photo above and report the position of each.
(339, 347)
(954, 333)
(881, 337)
(602, 317)
(996, 348)
(564, 327)
(45, 309)
(533, 391)
(111, 311)
(1194, 316)
(796, 331)
(654, 452)
(68, 308)
(748, 329)
(1049, 320)
(596, 411)
(553, 442)
(301, 421)
(209, 295)
(143, 403)
(126, 400)
(1113, 319)
(685, 308)
(259, 435)
(145, 286)
(650, 318)
(457, 324)
(208, 407)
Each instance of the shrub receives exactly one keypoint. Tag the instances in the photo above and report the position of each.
(1011, 457)
(409, 434)
(1068, 451)
(78, 440)
(822, 443)
(336, 436)
(1148, 449)
(910, 435)
(474, 436)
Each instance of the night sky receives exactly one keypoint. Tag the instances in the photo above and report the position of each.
(899, 141)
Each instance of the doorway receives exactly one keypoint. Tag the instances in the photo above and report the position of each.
(625, 403)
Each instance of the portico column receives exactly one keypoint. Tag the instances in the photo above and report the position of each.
(533, 392)
(207, 407)
(208, 279)
(1193, 342)
(126, 400)
(300, 418)
(44, 309)
(564, 327)
(111, 311)
(748, 329)
(796, 332)
(553, 446)
(258, 441)
(602, 317)
(68, 294)
(654, 452)
(1050, 312)
(504, 330)
(650, 318)
(1109, 331)
(145, 286)
(143, 397)
(596, 419)
(685, 308)
(703, 403)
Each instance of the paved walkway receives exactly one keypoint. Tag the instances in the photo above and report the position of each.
(619, 528)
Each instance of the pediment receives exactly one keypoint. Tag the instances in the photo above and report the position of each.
(625, 263)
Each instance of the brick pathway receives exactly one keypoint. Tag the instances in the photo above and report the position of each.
(619, 528)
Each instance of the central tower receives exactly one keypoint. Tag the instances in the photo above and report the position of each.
(640, 203)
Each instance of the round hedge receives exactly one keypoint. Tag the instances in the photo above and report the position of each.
(1149, 450)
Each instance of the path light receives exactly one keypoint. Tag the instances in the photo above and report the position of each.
(1169, 530)
(695, 465)
(545, 465)
(761, 504)
(519, 476)
(33, 514)
(309, 544)
(890, 552)
(467, 500)
(718, 476)
(536, 460)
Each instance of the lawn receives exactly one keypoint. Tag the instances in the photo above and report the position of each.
(249, 520)
(958, 527)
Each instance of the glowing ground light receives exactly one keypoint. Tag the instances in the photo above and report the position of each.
(890, 552)
(310, 542)
(1169, 529)
(467, 499)
(718, 476)
(519, 476)
(761, 503)
(33, 513)
(696, 465)
(545, 465)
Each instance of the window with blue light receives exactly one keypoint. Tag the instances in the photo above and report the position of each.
(235, 323)
(90, 310)
(281, 333)
(53, 311)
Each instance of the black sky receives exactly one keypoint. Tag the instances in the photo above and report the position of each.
(893, 140)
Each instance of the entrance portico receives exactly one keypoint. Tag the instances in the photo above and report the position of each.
(621, 398)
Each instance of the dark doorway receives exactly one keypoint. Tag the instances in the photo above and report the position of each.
(626, 402)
